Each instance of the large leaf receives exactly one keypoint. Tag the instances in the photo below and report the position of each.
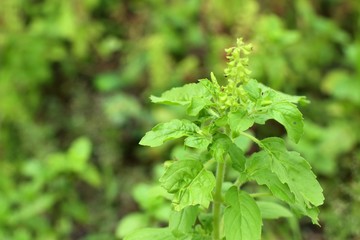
(258, 168)
(170, 130)
(242, 218)
(294, 171)
(182, 95)
(190, 183)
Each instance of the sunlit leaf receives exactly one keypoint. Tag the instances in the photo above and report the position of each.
(242, 218)
(166, 131)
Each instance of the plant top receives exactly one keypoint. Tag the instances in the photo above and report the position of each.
(220, 118)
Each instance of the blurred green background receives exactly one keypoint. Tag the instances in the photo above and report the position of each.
(75, 77)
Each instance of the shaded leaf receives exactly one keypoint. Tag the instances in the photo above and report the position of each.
(182, 221)
(224, 146)
(190, 183)
(273, 210)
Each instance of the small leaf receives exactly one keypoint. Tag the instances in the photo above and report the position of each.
(252, 87)
(273, 210)
(197, 104)
(167, 131)
(239, 121)
(191, 183)
(197, 141)
(242, 218)
(212, 86)
(91, 175)
(223, 146)
(237, 157)
(79, 153)
(270, 104)
(290, 117)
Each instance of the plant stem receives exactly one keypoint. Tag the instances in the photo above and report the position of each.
(260, 194)
(254, 139)
(220, 172)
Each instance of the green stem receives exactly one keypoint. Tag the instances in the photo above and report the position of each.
(260, 194)
(254, 139)
(220, 172)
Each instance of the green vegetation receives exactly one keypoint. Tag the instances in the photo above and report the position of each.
(75, 77)
(220, 117)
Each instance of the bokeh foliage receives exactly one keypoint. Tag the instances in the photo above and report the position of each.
(74, 82)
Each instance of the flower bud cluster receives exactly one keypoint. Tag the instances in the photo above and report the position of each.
(237, 74)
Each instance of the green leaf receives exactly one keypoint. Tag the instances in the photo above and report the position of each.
(79, 153)
(148, 197)
(167, 131)
(290, 117)
(239, 121)
(91, 175)
(223, 146)
(237, 157)
(273, 210)
(197, 141)
(182, 95)
(294, 171)
(242, 218)
(252, 87)
(151, 233)
(270, 104)
(182, 222)
(282, 97)
(258, 168)
(212, 86)
(130, 223)
(197, 104)
(191, 183)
